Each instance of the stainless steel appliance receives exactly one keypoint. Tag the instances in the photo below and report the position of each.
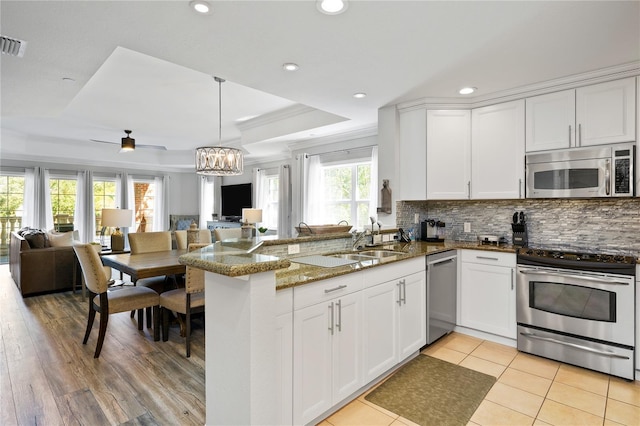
(441, 294)
(577, 308)
(598, 171)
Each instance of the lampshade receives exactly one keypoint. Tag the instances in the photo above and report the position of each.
(252, 215)
(219, 160)
(117, 218)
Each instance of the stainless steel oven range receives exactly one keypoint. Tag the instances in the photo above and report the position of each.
(577, 308)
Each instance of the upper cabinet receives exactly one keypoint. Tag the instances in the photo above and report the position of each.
(448, 154)
(592, 115)
(413, 155)
(497, 151)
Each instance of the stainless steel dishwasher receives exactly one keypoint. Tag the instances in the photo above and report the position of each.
(442, 272)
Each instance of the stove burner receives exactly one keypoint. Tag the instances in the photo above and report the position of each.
(584, 257)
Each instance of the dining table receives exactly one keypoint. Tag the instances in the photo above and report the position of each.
(146, 265)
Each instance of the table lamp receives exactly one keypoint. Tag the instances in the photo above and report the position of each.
(117, 218)
(250, 217)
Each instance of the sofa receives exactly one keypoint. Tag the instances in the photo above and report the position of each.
(43, 270)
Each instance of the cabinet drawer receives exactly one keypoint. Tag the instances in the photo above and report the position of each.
(489, 257)
(393, 271)
(310, 294)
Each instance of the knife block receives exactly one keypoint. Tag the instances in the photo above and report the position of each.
(520, 237)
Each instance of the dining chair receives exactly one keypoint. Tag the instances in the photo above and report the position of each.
(226, 233)
(107, 301)
(147, 242)
(204, 236)
(187, 300)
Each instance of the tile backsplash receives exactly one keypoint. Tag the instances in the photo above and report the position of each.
(603, 225)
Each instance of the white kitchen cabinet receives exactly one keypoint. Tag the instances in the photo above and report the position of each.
(487, 296)
(284, 359)
(448, 154)
(497, 151)
(327, 349)
(412, 152)
(591, 115)
(551, 121)
(637, 320)
(394, 313)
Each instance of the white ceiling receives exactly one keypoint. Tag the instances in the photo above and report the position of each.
(148, 66)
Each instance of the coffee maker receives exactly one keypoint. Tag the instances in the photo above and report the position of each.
(430, 230)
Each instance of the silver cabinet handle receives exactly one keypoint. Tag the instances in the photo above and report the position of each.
(340, 287)
(569, 134)
(339, 323)
(580, 134)
(442, 262)
(573, 345)
(399, 285)
(469, 189)
(403, 286)
(607, 177)
(519, 188)
(512, 271)
(487, 258)
(331, 318)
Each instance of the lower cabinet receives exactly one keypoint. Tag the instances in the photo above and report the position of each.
(394, 319)
(284, 359)
(487, 296)
(327, 350)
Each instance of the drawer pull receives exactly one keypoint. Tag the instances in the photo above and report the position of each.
(340, 287)
(486, 258)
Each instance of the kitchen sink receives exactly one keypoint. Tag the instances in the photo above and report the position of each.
(380, 253)
(353, 256)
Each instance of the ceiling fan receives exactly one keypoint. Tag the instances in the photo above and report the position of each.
(128, 144)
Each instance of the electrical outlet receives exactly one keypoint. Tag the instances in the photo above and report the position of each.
(467, 227)
(293, 248)
(416, 218)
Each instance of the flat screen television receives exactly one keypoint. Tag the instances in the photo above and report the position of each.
(234, 199)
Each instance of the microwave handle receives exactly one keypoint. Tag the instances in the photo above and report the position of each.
(607, 177)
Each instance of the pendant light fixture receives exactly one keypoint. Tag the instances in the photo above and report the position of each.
(219, 160)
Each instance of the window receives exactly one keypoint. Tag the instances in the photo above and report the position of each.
(269, 202)
(104, 197)
(145, 194)
(11, 210)
(346, 190)
(63, 202)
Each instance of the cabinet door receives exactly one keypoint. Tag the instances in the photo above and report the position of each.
(312, 369)
(413, 155)
(412, 314)
(605, 113)
(448, 154)
(487, 299)
(347, 346)
(379, 329)
(550, 122)
(497, 151)
(284, 336)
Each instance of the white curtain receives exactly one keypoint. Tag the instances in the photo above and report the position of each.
(161, 204)
(30, 215)
(259, 190)
(206, 187)
(313, 192)
(373, 187)
(284, 202)
(84, 217)
(43, 194)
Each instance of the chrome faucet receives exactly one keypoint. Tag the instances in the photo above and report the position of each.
(357, 237)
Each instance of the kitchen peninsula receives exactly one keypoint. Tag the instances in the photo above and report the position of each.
(250, 361)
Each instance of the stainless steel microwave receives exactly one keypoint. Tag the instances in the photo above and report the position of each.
(597, 171)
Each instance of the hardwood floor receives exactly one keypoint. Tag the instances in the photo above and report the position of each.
(48, 377)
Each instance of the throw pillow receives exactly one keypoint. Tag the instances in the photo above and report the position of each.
(183, 224)
(60, 239)
(35, 238)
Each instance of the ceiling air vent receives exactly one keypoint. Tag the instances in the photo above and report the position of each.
(12, 46)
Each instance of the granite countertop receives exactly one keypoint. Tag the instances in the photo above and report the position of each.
(235, 262)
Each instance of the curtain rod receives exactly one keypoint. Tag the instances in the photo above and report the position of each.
(342, 150)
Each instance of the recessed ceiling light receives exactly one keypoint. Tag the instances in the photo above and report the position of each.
(359, 95)
(290, 66)
(200, 6)
(467, 90)
(332, 7)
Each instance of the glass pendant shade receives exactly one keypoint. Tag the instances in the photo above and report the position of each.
(219, 161)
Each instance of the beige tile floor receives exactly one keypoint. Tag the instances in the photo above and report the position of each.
(529, 391)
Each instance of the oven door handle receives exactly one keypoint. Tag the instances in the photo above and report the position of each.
(573, 345)
(582, 277)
